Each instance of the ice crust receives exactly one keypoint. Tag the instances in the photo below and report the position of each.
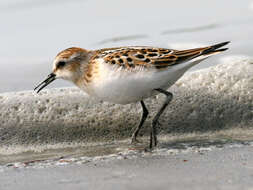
(216, 98)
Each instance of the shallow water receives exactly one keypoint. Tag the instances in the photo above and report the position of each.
(32, 32)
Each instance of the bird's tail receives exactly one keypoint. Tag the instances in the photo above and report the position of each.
(214, 49)
(199, 54)
(189, 57)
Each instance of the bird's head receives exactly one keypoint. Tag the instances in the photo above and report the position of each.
(69, 64)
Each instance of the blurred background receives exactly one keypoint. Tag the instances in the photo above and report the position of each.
(33, 31)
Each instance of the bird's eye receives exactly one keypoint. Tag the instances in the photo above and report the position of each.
(61, 64)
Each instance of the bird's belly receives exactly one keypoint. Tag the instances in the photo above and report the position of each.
(122, 93)
(124, 88)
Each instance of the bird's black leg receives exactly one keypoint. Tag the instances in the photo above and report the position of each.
(153, 138)
(143, 118)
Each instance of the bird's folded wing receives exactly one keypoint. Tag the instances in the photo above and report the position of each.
(141, 56)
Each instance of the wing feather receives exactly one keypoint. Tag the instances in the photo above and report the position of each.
(160, 58)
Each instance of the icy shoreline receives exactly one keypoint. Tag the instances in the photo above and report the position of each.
(217, 98)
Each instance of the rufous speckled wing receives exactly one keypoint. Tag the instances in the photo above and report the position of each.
(160, 58)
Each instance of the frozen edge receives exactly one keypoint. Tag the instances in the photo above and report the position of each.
(213, 99)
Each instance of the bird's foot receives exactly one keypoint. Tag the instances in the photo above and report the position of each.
(134, 140)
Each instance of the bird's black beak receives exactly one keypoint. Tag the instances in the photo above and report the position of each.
(50, 78)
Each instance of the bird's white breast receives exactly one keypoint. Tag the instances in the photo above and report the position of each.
(119, 85)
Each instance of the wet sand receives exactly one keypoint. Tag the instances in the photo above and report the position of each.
(227, 168)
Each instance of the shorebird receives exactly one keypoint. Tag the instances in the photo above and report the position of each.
(124, 75)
